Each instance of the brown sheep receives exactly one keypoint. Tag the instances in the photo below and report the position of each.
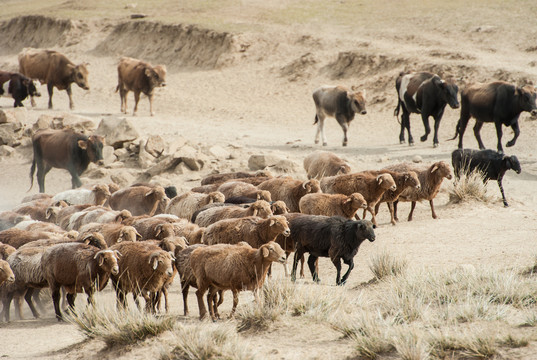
(290, 190)
(6, 274)
(143, 268)
(332, 204)
(206, 189)
(185, 205)
(96, 214)
(254, 180)
(260, 208)
(324, 163)
(153, 227)
(139, 200)
(18, 237)
(279, 208)
(64, 215)
(371, 187)
(231, 267)
(192, 232)
(34, 225)
(6, 250)
(8, 219)
(38, 196)
(97, 195)
(222, 178)
(94, 239)
(253, 230)
(232, 189)
(112, 233)
(42, 210)
(430, 176)
(76, 268)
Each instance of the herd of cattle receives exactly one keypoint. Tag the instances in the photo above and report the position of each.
(225, 233)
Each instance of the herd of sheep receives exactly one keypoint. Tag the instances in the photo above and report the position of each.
(221, 235)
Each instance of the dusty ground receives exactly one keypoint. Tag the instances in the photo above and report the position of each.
(259, 100)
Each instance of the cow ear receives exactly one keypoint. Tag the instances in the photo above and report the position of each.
(71, 66)
(363, 93)
(148, 72)
(83, 144)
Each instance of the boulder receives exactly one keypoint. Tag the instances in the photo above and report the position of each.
(121, 154)
(78, 123)
(145, 159)
(108, 155)
(43, 122)
(155, 145)
(286, 166)
(8, 116)
(167, 163)
(6, 151)
(10, 134)
(190, 157)
(417, 159)
(117, 131)
(259, 162)
(122, 177)
(219, 152)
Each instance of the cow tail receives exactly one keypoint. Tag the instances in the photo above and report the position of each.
(316, 120)
(456, 131)
(396, 111)
(32, 171)
(117, 88)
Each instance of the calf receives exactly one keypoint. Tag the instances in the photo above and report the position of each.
(139, 77)
(16, 86)
(426, 94)
(340, 103)
(498, 102)
(64, 149)
(492, 164)
(54, 69)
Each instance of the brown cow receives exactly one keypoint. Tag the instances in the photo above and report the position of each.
(64, 149)
(139, 77)
(54, 69)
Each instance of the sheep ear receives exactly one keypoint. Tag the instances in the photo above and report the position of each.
(258, 197)
(138, 236)
(379, 179)
(82, 144)
(347, 201)
(155, 264)
(120, 238)
(150, 192)
(101, 261)
(158, 229)
(304, 184)
(87, 239)
(255, 212)
(272, 222)
(434, 168)
(266, 252)
(48, 213)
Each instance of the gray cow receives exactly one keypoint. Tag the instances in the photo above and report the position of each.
(340, 103)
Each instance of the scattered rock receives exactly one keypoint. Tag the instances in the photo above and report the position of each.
(259, 162)
(8, 116)
(10, 134)
(122, 177)
(116, 165)
(167, 163)
(219, 152)
(155, 145)
(117, 131)
(43, 122)
(417, 159)
(286, 166)
(189, 156)
(181, 169)
(121, 154)
(145, 159)
(94, 172)
(78, 123)
(6, 151)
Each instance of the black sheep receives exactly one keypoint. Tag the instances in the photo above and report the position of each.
(492, 164)
(324, 236)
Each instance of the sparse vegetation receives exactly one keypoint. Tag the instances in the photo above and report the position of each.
(470, 186)
(383, 265)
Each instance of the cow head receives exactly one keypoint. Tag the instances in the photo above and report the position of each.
(357, 101)
(94, 148)
(30, 87)
(448, 91)
(526, 98)
(79, 75)
(511, 162)
(156, 76)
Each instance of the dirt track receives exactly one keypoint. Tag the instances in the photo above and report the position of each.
(251, 89)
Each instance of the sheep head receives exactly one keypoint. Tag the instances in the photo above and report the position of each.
(51, 213)
(113, 187)
(356, 200)
(107, 260)
(364, 230)
(101, 193)
(161, 260)
(344, 169)
(261, 208)
(311, 186)
(279, 207)
(95, 239)
(164, 230)
(263, 195)
(271, 251)
(442, 169)
(278, 225)
(6, 274)
(216, 197)
(123, 215)
(386, 181)
(128, 233)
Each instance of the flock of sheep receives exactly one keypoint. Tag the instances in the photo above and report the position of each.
(221, 235)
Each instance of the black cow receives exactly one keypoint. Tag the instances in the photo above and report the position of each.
(492, 164)
(16, 86)
(64, 149)
(340, 103)
(498, 102)
(426, 94)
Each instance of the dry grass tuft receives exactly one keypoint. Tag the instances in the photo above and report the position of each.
(383, 265)
(120, 327)
(470, 186)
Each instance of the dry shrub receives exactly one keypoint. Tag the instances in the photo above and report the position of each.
(410, 345)
(470, 186)
(383, 265)
(468, 344)
(119, 327)
(205, 341)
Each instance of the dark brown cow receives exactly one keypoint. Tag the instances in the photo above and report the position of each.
(340, 103)
(426, 94)
(139, 77)
(16, 86)
(64, 149)
(54, 69)
(498, 102)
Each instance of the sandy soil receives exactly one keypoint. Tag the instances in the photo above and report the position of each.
(259, 101)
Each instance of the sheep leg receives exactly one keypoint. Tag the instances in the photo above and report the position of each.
(503, 195)
(390, 207)
(6, 304)
(210, 302)
(28, 297)
(337, 264)
(311, 264)
(166, 305)
(373, 218)
(56, 295)
(18, 305)
(201, 304)
(432, 209)
(37, 299)
(377, 207)
(302, 276)
(395, 210)
(411, 210)
(185, 297)
(346, 275)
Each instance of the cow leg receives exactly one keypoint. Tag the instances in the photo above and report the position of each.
(350, 263)
(123, 95)
(320, 129)
(41, 172)
(337, 263)
(437, 119)
(32, 101)
(405, 124)
(344, 125)
(501, 190)
(56, 295)
(185, 299)
(463, 120)
(515, 128)
(50, 89)
(433, 213)
(151, 104)
(70, 94)
(477, 129)
(425, 119)
(136, 100)
(75, 178)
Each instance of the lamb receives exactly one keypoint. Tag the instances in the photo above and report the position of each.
(144, 268)
(97, 195)
(221, 178)
(9, 219)
(140, 200)
(6, 250)
(324, 163)
(192, 232)
(231, 267)
(332, 204)
(76, 268)
(290, 190)
(334, 237)
(6, 274)
(430, 176)
(371, 187)
(260, 208)
(253, 230)
(112, 233)
(187, 204)
(492, 164)
(237, 188)
(403, 180)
